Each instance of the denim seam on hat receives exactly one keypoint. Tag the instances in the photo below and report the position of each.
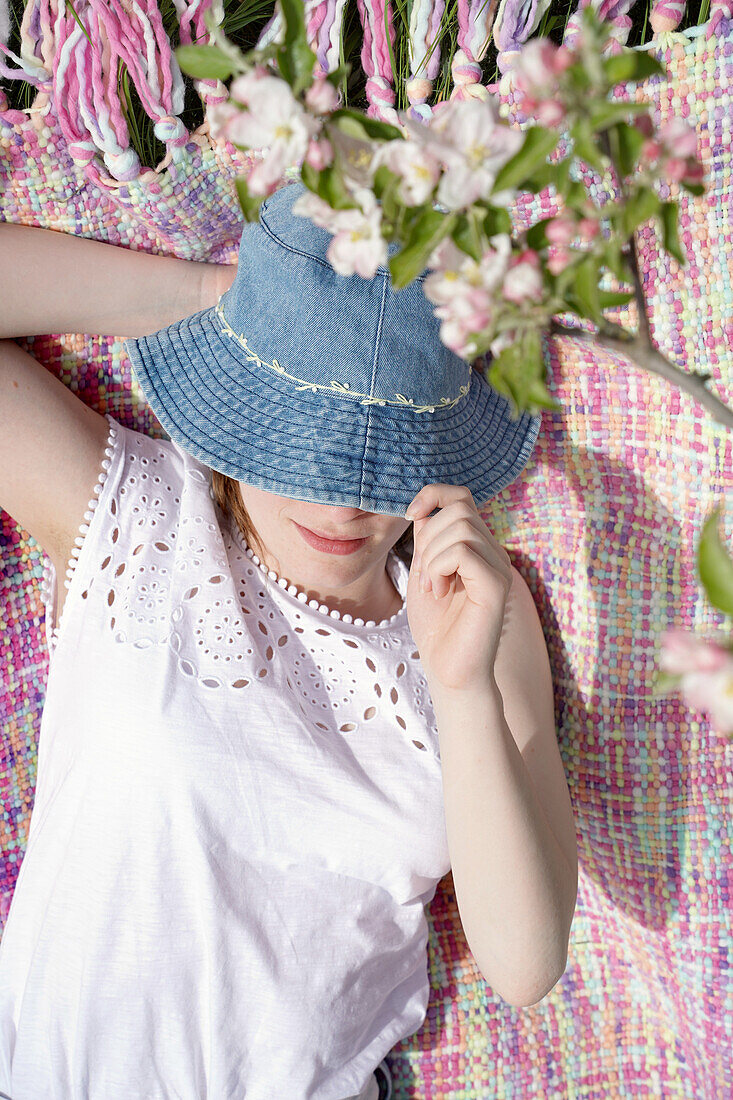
(459, 440)
(383, 272)
(371, 387)
(341, 388)
(142, 372)
(220, 405)
(201, 387)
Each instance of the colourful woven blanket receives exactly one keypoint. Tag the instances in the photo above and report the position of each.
(603, 525)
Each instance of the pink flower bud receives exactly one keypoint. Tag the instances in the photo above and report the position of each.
(478, 321)
(262, 180)
(644, 125)
(684, 652)
(679, 138)
(558, 259)
(523, 281)
(712, 693)
(675, 168)
(319, 153)
(651, 151)
(529, 256)
(477, 299)
(564, 58)
(588, 229)
(561, 230)
(321, 98)
(694, 172)
(550, 112)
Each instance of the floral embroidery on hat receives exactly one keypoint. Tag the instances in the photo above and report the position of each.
(334, 386)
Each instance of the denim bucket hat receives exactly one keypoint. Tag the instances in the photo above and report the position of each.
(325, 388)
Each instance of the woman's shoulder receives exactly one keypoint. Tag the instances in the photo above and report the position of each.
(141, 483)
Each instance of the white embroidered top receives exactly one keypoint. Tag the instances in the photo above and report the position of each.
(238, 819)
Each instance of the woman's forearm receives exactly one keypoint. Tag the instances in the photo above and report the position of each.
(516, 892)
(57, 282)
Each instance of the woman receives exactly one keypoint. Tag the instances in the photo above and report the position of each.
(255, 767)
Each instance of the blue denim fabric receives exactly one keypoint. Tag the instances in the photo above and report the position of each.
(312, 385)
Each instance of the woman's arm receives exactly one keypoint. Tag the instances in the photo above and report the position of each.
(56, 282)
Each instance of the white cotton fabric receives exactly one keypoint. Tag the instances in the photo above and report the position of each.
(238, 819)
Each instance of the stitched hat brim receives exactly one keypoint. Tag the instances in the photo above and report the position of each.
(242, 418)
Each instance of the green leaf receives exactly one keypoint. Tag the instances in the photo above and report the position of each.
(204, 62)
(497, 219)
(328, 184)
(630, 141)
(668, 212)
(715, 566)
(587, 277)
(295, 58)
(537, 146)
(693, 188)
(555, 175)
(384, 180)
(386, 186)
(615, 261)
(536, 236)
(609, 299)
(632, 65)
(427, 233)
(576, 195)
(518, 373)
(606, 114)
(640, 207)
(585, 146)
(468, 236)
(354, 124)
(339, 74)
(249, 203)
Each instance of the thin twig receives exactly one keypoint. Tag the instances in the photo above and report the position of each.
(640, 348)
(641, 306)
(641, 352)
(639, 295)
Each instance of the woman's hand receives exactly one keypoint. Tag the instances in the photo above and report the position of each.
(457, 622)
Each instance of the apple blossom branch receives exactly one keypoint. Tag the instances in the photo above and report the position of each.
(640, 348)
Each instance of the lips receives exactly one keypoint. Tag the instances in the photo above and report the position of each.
(330, 545)
(335, 538)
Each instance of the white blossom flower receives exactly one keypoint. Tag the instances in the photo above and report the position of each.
(355, 158)
(273, 121)
(464, 290)
(472, 144)
(523, 281)
(706, 671)
(417, 167)
(218, 115)
(358, 246)
(310, 205)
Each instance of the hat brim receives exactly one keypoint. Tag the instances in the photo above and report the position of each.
(242, 418)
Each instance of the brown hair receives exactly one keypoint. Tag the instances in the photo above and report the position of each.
(227, 496)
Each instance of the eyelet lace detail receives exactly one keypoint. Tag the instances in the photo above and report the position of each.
(46, 588)
(174, 577)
